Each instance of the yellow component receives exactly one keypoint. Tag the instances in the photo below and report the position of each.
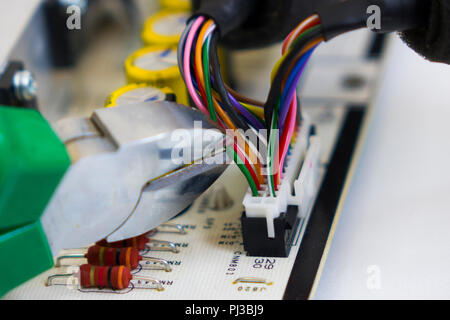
(176, 5)
(157, 66)
(164, 28)
(256, 110)
(134, 92)
(167, 91)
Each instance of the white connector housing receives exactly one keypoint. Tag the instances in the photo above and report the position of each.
(298, 185)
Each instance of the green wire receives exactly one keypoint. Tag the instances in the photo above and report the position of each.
(272, 137)
(244, 170)
(205, 59)
(274, 123)
(212, 112)
(272, 148)
(305, 33)
(208, 87)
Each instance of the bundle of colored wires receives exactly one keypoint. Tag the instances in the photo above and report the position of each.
(281, 107)
(200, 68)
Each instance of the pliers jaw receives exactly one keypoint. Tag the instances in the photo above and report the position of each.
(125, 177)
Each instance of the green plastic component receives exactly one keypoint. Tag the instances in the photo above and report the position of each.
(32, 162)
(25, 253)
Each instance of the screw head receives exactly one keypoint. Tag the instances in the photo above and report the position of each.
(24, 85)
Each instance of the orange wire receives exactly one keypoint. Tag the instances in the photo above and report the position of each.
(199, 70)
(241, 142)
(198, 53)
(312, 44)
(309, 46)
(312, 23)
(223, 115)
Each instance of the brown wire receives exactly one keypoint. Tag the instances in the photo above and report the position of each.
(245, 99)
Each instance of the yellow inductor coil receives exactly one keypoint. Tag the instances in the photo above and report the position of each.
(135, 93)
(164, 28)
(157, 66)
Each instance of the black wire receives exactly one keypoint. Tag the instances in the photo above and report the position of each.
(275, 90)
(220, 86)
(180, 48)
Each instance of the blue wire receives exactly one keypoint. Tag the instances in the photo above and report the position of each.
(290, 81)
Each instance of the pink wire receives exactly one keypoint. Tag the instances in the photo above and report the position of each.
(290, 132)
(294, 33)
(187, 69)
(283, 48)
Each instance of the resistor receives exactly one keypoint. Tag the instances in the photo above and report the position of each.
(140, 243)
(103, 256)
(117, 278)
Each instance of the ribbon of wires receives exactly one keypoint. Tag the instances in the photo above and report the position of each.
(199, 66)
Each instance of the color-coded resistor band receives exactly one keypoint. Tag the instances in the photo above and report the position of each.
(117, 278)
(103, 256)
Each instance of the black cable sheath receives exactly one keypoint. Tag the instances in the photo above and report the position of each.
(343, 16)
(393, 15)
(249, 135)
(227, 14)
(432, 40)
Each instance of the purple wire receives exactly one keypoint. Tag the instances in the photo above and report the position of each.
(254, 122)
(247, 114)
(291, 92)
(290, 95)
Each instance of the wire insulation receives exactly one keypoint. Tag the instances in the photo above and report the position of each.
(261, 157)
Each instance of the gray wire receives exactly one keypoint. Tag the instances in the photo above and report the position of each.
(181, 45)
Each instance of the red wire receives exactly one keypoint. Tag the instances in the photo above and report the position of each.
(284, 137)
(308, 26)
(247, 165)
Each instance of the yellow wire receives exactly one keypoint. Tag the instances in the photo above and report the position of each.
(305, 49)
(241, 142)
(256, 110)
(226, 119)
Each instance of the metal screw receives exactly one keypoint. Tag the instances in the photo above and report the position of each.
(24, 85)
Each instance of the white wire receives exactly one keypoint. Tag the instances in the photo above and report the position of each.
(300, 28)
